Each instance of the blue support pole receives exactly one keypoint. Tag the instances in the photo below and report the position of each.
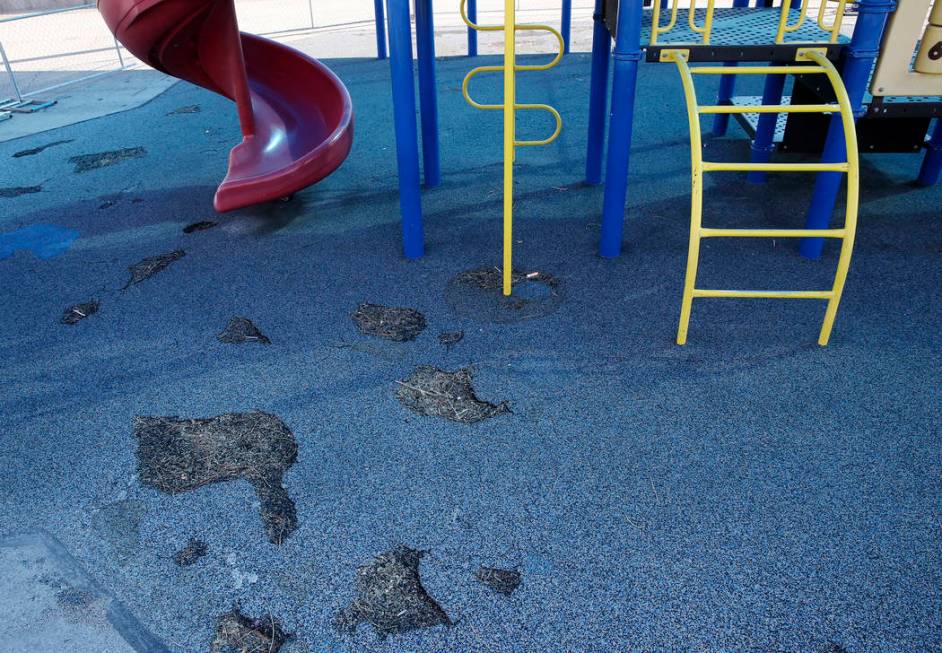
(472, 8)
(932, 164)
(428, 92)
(566, 25)
(763, 144)
(407, 137)
(598, 96)
(380, 29)
(627, 57)
(727, 88)
(858, 63)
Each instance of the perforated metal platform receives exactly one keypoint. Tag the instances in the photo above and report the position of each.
(749, 121)
(739, 34)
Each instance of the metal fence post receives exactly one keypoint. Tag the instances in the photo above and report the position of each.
(117, 48)
(9, 68)
(310, 10)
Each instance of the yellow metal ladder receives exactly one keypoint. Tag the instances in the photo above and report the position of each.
(510, 108)
(849, 167)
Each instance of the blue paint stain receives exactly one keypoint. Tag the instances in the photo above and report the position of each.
(46, 241)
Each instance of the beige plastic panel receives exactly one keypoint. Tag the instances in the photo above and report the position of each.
(907, 26)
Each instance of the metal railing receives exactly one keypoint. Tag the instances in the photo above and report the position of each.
(46, 50)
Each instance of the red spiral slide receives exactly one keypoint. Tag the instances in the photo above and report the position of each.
(296, 115)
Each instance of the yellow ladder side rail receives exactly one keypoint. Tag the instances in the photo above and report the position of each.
(698, 167)
(510, 106)
(853, 190)
(696, 191)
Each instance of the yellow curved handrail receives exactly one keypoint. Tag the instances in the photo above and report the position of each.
(707, 28)
(835, 27)
(783, 26)
(656, 20)
(510, 107)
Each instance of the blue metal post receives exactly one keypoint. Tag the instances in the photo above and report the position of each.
(763, 144)
(858, 64)
(727, 88)
(472, 8)
(380, 29)
(932, 164)
(407, 137)
(566, 24)
(598, 96)
(627, 57)
(428, 91)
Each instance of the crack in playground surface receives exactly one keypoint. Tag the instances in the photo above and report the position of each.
(477, 294)
(433, 392)
(391, 597)
(390, 323)
(176, 455)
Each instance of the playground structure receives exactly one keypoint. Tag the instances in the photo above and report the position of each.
(816, 118)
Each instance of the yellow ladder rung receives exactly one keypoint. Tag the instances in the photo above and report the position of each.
(772, 233)
(771, 108)
(715, 166)
(757, 70)
(764, 294)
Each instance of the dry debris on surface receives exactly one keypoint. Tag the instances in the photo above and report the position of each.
(390, 596)
(433, 392)
(450, 338)
(86, 162)
(503, 581)
(175, 455)
(203, 225)
(151, 265)
(191, 553)
(237, 633)
(241, 330)
(36, 150)
(397, 324)
(75, 314)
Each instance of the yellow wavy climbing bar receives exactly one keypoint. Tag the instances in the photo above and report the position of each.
(510, 106)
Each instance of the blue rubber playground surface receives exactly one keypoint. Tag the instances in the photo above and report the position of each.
(748, 492)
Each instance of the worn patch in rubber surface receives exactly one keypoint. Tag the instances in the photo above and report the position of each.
(478, 294)
(176, 455)
(502, 581)
(398, 324)
(75, 314)
(86, 162)
(151, 265)
(237, 633)
(433, 392)
(391, 597)
(241, 330)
